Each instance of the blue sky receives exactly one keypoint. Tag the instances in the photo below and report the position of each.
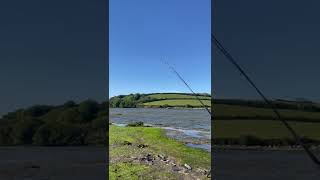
(279, 49)
(142, 32)
(52, 52)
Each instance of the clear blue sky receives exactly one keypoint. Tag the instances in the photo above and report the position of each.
(52, 52)
(143, 31)
(276, 42)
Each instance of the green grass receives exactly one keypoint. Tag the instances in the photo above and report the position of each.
(157, 143)
(176, 96)
(236, 121)
(223, 110)
(127, 171)
(178, 102)
(265, 129)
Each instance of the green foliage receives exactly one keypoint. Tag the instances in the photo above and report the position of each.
(58, 134)
(136, 124)
(69, 124)
(88, 110)
(157, 143)
(23, 130)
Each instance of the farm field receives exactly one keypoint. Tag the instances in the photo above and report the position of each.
(265, 129)
(178, 102)
(238, 111)
(176, 96)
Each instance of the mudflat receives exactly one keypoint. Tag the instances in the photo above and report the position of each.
(48, 163)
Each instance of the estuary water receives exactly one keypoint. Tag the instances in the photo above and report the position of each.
(192, 126)
(264, 165)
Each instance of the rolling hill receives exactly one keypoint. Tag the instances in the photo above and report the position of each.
(160, 100)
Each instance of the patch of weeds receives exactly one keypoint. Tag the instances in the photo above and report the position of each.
(127, 171)
(136, 124)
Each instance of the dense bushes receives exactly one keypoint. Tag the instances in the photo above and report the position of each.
(129, 101)
(69, 124)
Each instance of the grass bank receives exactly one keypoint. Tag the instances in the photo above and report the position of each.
(178, 103)
(146, 152)
(264, 133)
(264, 129)
(226, 111)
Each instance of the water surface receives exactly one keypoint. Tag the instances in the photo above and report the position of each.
(192, 126)
(264, 165)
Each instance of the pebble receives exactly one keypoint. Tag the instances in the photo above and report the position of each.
(187, 166)
(176, 168)
(149, 157)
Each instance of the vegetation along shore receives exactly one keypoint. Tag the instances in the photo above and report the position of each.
(137, 151)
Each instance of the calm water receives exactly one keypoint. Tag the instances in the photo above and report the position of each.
(264, 165)
(192, 126)
(49, 163)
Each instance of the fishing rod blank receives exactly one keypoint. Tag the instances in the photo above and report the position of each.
(190, 89)
(185, 83)
(267, 101)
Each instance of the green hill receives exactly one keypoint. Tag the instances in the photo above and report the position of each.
(244, 122)
(160, 100)
(253, 110)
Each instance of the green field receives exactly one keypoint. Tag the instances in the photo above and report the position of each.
(238, 111)
(265, 129)
(159, 100)
(125, 151)
(234, 123)
(176, 96)
(178, 102)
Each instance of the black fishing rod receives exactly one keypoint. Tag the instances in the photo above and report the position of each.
(266, 100)
(190, 89)
(195, 94)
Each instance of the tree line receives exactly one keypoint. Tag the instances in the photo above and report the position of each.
(68, 124)
(130, 101)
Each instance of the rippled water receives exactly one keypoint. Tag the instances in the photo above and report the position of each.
(192, 126)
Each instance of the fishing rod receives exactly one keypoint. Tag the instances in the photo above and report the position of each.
(195, 94)
(187, 85)
(266, 100)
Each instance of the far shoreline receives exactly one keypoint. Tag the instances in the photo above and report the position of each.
(261, 148)
(176, 108)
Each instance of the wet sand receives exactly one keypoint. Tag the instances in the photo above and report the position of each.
(51, 163)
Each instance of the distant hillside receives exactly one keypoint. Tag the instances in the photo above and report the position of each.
(224, 109)
(160, 100)
(256, 109)
(253, 123)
